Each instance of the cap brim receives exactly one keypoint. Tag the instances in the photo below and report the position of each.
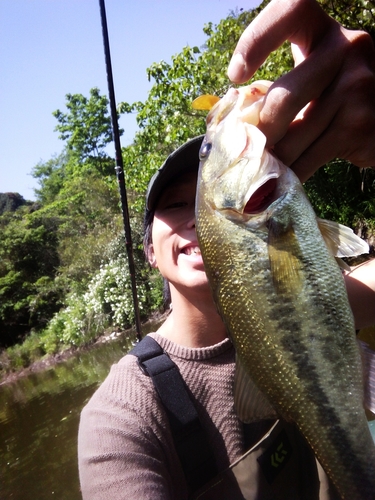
(183, 159)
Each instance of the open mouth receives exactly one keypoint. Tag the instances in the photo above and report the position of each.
(262, 197)
(191, 250)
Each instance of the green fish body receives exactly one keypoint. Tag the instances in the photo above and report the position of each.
(281, 293)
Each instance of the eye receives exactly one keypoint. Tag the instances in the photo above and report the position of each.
(205, 150)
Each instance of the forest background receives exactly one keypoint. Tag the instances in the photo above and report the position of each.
(64, 275)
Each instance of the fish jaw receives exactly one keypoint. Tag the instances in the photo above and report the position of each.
(246, 177)
(245, 102)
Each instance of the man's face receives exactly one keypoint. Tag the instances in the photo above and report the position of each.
(174, 250)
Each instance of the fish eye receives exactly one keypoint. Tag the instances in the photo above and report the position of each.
(205, 150)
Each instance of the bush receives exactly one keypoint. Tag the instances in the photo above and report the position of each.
(108, 301)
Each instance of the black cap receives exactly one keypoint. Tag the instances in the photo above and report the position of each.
(183, 159)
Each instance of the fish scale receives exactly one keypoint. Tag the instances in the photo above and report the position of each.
(283, 300)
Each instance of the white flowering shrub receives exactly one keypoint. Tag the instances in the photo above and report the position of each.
(109, 293)
(108, 301)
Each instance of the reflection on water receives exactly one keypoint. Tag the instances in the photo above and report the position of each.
(39, 417)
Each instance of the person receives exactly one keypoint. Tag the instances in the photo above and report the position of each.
(126, 447)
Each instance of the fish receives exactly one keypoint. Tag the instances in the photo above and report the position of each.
(272, 266)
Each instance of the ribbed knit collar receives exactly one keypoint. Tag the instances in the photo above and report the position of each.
(190, 353)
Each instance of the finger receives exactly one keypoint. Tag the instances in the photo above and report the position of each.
(302, 22)
(305, 83)
(344, 113)
(306, 130)
(347, 69)
(344, 138)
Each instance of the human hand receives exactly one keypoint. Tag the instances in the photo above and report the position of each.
(334, 80)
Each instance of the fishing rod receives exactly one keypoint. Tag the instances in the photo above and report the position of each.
(120, 167)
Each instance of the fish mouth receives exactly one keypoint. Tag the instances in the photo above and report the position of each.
(262, 197)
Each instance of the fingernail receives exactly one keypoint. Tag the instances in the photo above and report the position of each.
(237, 68)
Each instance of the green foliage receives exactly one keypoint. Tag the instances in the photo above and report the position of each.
(28, 264)
(86, 127)
(344, 193)
(353, 14)
(54, 247)
(22, 355)
(51, 177)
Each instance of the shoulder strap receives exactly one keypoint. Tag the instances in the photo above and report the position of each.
(191, 443)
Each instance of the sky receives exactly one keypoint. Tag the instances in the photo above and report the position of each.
(49, 48)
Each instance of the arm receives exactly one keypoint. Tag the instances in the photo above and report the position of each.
(360, 285)
(112, 464)
(125, 450)
(335, 73)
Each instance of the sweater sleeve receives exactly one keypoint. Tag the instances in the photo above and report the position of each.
(125, 449)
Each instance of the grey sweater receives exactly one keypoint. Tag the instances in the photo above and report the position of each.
(125, 447)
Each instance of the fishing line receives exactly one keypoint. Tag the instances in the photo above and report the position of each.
(120, 167)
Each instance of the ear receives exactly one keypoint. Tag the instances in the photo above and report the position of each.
(151, 256)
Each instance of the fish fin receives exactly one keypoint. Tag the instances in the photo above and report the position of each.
(341, 241)
(205, 102)
(250, 403)
(342, 264)
(283, 252)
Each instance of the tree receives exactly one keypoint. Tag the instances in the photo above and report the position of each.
(9, 202)
(28, 263)
(353, 14)
(86, 127)
(86, 130)
(51, 176)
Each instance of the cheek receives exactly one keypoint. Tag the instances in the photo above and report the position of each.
(159, 248)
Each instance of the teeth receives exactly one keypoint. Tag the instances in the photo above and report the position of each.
(192, 251)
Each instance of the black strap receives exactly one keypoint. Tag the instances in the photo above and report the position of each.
(191, 443)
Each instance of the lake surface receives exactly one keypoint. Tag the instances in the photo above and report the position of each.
(39, 417)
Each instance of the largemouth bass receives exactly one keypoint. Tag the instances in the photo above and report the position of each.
(281, 293)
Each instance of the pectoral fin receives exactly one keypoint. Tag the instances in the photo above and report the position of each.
(250, 403)
(284, 255)
(341, 241)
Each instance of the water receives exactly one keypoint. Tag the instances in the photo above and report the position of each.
(39, 417)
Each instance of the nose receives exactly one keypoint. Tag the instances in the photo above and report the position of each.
(191, 223)
(191, 220)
